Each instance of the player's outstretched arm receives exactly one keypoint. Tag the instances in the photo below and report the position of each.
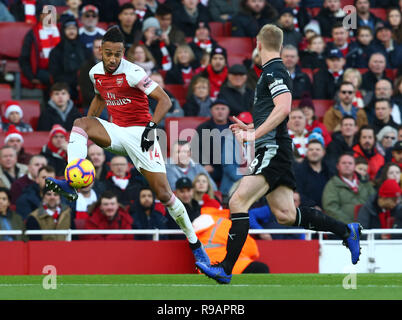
(283, 105)
(97, 106)
(163, 104)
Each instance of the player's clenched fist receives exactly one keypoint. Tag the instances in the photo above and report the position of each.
(147, 143)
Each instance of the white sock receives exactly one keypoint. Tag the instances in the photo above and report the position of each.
(179, 214)
(77, 146)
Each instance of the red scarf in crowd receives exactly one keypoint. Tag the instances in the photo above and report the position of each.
(47, 39)
(54, 213)
(140, 14)
(187, 74)
(358, 100)
(257, 70)
(205, 45)
(216, 80)
(62, 153)
(300, 143)
(353, 185)
(399, 164)
(295, 21)
(384, 218)
(30, 11)
(335, 74)
(166, 60)
(122, 183)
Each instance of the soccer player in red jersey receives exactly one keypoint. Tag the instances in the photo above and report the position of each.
(123, 87)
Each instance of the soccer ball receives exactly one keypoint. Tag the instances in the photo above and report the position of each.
(80, 173)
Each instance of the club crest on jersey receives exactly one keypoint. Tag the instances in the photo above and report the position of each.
(119, 81)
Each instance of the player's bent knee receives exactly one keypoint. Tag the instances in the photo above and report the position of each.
(81, 123)
(237, 203)
(284, 216)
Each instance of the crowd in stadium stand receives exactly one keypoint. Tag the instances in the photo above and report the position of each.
(345, 124)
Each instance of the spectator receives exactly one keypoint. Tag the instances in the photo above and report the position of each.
(202, 185)
(291, 36)
(152, 5)
(359, 50)
(184, 67)
(52, 214)
(394, 18)
(157, 44)
(300, 80)
(384, 44)
(129, 25)
(361, 169)
(344, 191)
(9, 219)
(145, 215)
(383, 90)
(18, 186)
(334, 115)
(313, 174)
(73, 10)
(251, 17)
(123, 181)
(366, 148)
(397, 93)
(378, 211)
(364, 16)
(85, 85)
(212, 229)
(301, 15)
(142, 10)
(361, 97)
(87, 196)
(343, 140)
(5, 15)
(55, 151)
(97, 156)
(108, 214)
(15, 140)
(216, 71)
(383, 117)
(36, 48)
(390, 170)
(340, 38)
(188, 15)
(89, 31)
(60, 109)
(376, 65)
(327, 81)
(330, 13)
(219, 120)
(397, 154)
(254, 71)
(198, 102)
(386, 139)
(30, 198)
(140, 55)
(222, 10)
(202, 44)
(174, 111)
(108, 10)
(313, 57)
(26, 12)
(164, 14)
(10, 169)
(235, 91)
(307, 106)
(14, 117)
(181, 165)
(298, 133)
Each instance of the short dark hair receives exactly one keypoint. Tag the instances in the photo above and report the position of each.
(350, 154)
(6, 191)
(48, 168)
(384, 100)
(362, 28)
(366, 127)
(113, 34)
(59, 86)
(348, 117)
(108, 194)
(337, 25)
(163, 10)
(127, 5)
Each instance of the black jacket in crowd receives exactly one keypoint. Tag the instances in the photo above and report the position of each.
(301, 84)
(238, 102)
(185, 23)
(325, 85)
(51, 115)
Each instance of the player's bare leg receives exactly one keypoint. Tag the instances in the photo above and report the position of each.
(83, 129)
(282, 206)
(160, 186)
(250, 189)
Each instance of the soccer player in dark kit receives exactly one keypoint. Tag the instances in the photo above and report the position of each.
(270, 173)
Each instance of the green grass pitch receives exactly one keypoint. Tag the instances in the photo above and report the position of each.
(199, 287)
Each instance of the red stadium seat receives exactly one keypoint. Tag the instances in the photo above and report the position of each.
(80, 224)
(178, 91)
(31, 109)
(103, 25)
(5, 92)
(217, 29)
(175, 126)
(236, 59)
(227, 29)
(313, 11)
(356, 211)
(236, 45)
(346, 3)
(33, 141)
(391, 73)
(321, 106)
(15, 31)
(121, 2)
(380, 13)
(61, 9)
(309, 72)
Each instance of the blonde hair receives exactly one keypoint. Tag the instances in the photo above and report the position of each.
(351, 71)
(271, 37)
(210, 190)
(183, 47)
(131, 52)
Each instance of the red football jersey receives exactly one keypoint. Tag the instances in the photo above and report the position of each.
(125, 93)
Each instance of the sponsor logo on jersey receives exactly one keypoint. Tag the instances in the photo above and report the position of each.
(119, 81)
(276, 83)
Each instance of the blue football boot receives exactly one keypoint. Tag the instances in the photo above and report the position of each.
(353, 241)
(61, 187)
(215, 272)
(200, 255)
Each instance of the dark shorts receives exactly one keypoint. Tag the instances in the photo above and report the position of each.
(275, 164)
